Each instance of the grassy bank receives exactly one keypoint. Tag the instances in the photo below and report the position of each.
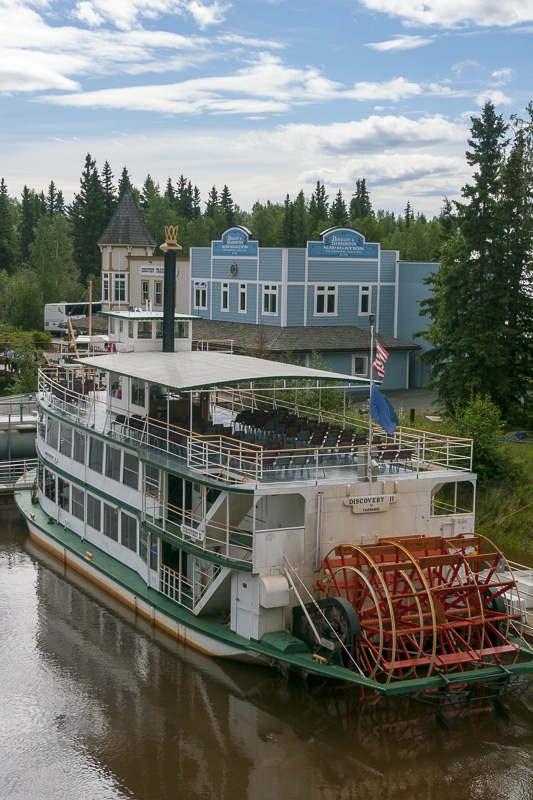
(505, 507)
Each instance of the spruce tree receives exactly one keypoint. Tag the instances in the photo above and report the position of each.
(338, 214)
(110, 194)
(124, 183)
(212, 203)
(470, 308)
(301, 221)
(318, 209)
(360, 205)
(7, 231)
(226, 204)
(27, 223)
(88, 221)
(196, 201)
(288, 236)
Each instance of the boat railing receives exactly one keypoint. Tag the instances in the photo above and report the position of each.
(176, 586)
(435, 450)
(229, 460)
(520, 597)
(17, 471)
(228, 542)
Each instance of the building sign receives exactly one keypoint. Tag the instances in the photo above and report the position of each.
(235, 242)
(370, 503)
(342, 243)
(158, 270)
(193, 533)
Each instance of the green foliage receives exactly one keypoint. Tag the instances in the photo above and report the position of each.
(27, 347)
(481, 421)
(481, 305)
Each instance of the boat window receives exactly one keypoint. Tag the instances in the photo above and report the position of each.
(116, 385)
(63, 494)
(159, 329)
(94, 512)
(130, 475)
(138, 392)
(452, 497)
(49, 485)
(144, 330)
(78, 503)
(96, 454)
(143, 545)
(130, 329)
(128, 531)
(112, 462)
(110, 527)
(181, 329)
(79, 447)
(42, 425)
(65, 443)
(52, 432)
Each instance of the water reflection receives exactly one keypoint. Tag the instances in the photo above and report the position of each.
(97, 704)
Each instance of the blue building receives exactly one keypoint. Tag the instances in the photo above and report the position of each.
(312, 299)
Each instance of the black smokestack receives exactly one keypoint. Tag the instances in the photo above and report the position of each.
(170, 249)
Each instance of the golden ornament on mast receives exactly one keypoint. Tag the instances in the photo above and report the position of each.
(171, 238)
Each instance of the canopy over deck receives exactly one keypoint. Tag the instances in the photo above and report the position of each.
(185, 371)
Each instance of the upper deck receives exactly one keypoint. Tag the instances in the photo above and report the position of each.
(232, 434)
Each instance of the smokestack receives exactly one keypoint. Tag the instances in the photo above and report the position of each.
(170, 248)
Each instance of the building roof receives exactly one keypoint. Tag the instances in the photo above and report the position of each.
(184, 371)
(294, 339)
(142, 315)
(126, 226)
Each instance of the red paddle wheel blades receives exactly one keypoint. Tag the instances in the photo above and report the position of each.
(426, 604)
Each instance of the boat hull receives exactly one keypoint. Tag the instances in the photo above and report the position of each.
(154, 615)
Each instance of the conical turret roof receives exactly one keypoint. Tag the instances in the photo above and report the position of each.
(126, 226)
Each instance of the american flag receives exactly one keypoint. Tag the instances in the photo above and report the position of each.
(380, 359)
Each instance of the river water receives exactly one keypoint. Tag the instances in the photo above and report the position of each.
(96, 705)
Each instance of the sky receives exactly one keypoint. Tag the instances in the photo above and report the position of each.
(265, 96)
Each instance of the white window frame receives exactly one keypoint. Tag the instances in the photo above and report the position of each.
(105, 287)
(363, 374)
(200, 295)
(158, 293)
(145, 291)
(326, 290)
(270, 299)
(243, 293)
(224, 296)
(120, 280)
(365, 290)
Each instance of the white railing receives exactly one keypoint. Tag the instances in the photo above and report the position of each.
(19, 470)
(232, 461)
(176, 586)
(227, 542)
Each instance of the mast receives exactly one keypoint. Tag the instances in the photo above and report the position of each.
(170, 248)
(371, 318)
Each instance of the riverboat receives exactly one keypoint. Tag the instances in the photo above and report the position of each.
(216, 496)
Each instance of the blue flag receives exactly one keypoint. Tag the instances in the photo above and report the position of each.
(382, 411)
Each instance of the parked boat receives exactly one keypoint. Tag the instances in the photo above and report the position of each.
(205, 492)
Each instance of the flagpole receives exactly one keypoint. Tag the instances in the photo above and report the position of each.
(371, 317)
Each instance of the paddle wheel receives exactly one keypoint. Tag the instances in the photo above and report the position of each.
(424, 606)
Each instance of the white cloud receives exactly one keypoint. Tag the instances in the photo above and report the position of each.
(373, 134)
(205, 15)
(495, 96)
(502, 76)
(463, 66)
(85, 12)
(400, 43)
(451, 13)
(127, 14)
(265, 86)
(396, 89)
